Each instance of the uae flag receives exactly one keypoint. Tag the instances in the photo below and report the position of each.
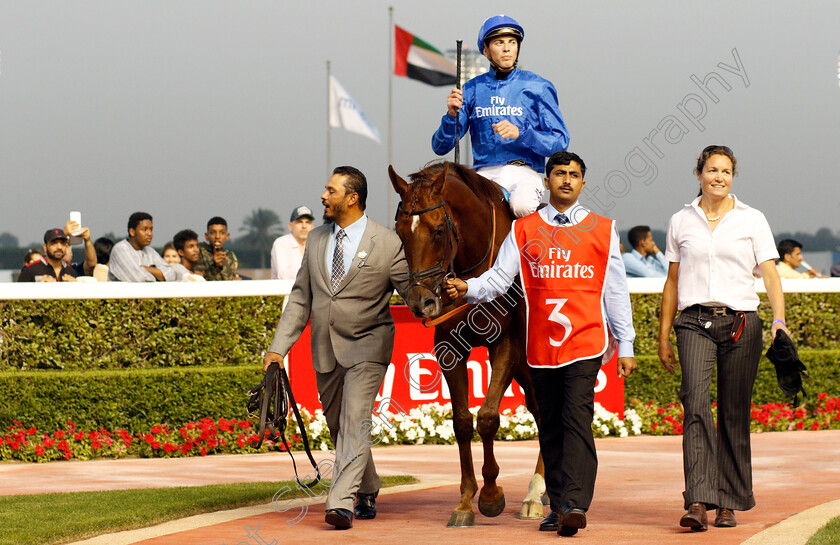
(415, 59)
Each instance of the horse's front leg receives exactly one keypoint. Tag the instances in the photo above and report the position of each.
(491, 500)
(462, 421)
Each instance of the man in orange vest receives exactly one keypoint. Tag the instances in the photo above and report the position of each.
(578, 309)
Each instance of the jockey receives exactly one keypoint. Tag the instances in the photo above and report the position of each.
(513, 117)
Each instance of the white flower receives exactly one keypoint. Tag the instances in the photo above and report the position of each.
(324, 446)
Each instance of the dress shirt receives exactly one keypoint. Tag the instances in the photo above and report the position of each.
(786, 271)
(285, 258)
(616, 299)
(649, 266)
(126, 264)
(353, 237)
(716, 266)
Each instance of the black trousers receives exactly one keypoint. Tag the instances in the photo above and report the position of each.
(717, 460)
(566, 399)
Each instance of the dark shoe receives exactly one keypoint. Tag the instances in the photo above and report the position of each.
(725, 518)
(365, 506)
(695, 518)
(342, 519)
(551, 522)
(574, 518)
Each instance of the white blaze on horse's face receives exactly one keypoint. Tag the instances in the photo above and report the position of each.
(415, 221)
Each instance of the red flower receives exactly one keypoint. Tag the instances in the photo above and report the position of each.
(155, 445)
(822, 396)
(14, 445)
(157, 429)
(149, 437)
(815, 426)
(204, 451)
(95, 445)
(31, 431)
(67, 454)
(800, 425)
(240, 441)
(62, 445)
(39, 450)
(59, 434)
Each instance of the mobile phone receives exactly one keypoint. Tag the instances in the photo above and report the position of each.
(77, 217)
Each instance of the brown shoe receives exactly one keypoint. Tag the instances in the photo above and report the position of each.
(725, 518)
(695, 518)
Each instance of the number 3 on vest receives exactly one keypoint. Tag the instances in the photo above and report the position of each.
(558, 317)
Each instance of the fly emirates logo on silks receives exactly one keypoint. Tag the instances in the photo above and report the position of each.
(498, 108)
(556, 265)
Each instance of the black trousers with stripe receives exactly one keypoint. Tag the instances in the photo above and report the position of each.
(566, 398)
(717, 461)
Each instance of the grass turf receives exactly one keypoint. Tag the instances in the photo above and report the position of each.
(44, 519)
(828, 534)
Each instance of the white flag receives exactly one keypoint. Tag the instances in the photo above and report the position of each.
(346, 114)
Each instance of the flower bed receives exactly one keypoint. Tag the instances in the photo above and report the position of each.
(428, 424)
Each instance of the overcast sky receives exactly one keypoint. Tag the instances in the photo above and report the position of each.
(190, 109)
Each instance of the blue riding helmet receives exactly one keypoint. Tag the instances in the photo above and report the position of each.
(499, 25)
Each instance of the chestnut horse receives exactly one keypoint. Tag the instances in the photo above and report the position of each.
(451, 222)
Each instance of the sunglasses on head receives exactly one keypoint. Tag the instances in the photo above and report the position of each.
(708, 149)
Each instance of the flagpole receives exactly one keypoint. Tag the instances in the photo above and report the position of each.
(329, 147)
(390, 107)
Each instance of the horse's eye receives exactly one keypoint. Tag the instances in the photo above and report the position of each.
(439, 232)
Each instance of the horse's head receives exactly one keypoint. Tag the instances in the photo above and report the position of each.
(429, 237)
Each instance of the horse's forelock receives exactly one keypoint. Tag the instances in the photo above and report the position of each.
(483, 188)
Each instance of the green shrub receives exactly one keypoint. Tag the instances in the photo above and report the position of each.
(113, 334)
(651, 382)
(130, 399)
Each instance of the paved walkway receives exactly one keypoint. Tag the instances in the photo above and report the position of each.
(637, 498)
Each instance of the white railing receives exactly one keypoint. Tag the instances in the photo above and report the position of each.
(165, 290)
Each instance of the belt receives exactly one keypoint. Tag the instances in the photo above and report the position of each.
(518, 163)
(711, 311)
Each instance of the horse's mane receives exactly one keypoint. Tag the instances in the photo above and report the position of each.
(486, 190)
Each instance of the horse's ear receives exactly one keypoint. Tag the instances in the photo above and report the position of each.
(437, 185)
(400, 185)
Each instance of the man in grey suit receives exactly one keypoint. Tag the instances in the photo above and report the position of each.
(350, 268)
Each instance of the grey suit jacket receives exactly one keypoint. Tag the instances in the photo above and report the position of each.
(354, 324)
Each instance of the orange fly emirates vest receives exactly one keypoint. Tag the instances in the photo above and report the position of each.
(564, 270)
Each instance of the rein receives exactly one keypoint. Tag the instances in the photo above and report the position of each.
(268, 400)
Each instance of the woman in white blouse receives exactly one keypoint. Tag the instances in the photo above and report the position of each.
(713, 244)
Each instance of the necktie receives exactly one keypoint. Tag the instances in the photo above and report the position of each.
(338, 260)
(562, 219)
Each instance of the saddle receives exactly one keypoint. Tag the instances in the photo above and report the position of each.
(270, 401)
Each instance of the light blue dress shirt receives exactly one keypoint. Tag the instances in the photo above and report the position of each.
(650, 266)
(616, 299)
(353, 238)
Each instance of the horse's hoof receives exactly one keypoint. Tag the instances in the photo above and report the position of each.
(461, 519)
(531, 510)
(492, 509)
(545, 499)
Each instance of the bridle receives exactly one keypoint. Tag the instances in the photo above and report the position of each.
(446, 264)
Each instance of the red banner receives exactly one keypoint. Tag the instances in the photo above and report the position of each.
(414, 378)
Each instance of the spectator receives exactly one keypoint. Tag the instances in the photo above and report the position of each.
(287, 251)
(71, 228)
(51, 267)
(103, 247)
(790, 257)
(645, 260)
(133, 259)
(170, 254)
(214, 263)
(186, 245)
(835, 269)
(32, 256)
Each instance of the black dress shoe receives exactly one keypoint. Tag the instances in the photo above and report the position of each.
(574, 518)
(551, 522)
(365, 506)
(340, 518)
